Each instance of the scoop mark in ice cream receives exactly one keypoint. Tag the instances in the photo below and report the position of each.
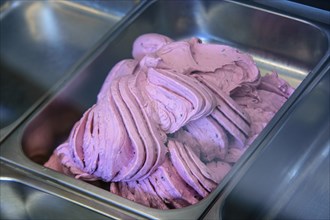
(169, 123)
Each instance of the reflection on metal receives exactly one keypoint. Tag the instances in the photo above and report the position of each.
(117, 15)
(298, 187)
(301, 73)
(22, 198)
(41, 41)
(42, 23)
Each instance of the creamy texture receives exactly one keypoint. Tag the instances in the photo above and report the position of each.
(169, 124)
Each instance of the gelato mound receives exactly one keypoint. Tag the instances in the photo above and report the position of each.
(169, 124)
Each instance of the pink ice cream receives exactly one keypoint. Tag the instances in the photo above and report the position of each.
(169, 124)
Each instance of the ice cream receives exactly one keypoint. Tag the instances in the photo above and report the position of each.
(169, 124)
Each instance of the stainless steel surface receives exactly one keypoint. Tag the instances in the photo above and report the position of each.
(29, 203)
(41, 41)
(295, 48)
(30, 197)
(25, 202)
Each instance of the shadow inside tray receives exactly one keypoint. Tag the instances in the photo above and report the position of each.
(49, 129)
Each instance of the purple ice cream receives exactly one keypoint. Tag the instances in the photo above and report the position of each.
(169, 124)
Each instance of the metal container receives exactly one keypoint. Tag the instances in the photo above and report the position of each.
(295, 46)
(41, 44)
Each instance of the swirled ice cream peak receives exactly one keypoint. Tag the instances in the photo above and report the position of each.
(169, 123)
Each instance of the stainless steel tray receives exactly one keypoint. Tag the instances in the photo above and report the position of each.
(41, 43)
(296, 48)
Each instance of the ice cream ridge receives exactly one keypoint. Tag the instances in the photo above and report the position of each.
(169, 124)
